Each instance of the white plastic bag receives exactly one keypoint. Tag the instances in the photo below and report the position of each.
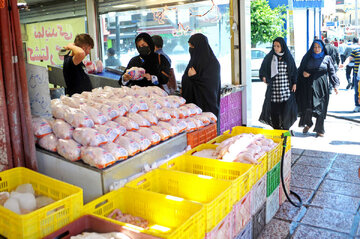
(69, 149)
(89, 137)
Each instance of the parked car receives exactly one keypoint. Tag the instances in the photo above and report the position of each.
(257, 57)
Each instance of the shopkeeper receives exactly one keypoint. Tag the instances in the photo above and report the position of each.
(76, 79)
(157, 67)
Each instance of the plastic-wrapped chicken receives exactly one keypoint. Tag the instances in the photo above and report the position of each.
(154, 90)
(97, 116)
(116, 150)
(194, 109)
(90, 67)
(164, 133)
(128, 218)
(150, 134)
(107, 110)
(140, 91)
(89, 137)
(142, 104)
(153, 103)
(205, 153)
(97, 157)
(94, 235)
(131, 146)
(173, 129)
(190, 125)
(203, 118)
(119, 106)
(211, 116)
(25, 188)
(71, 102)
(113, 124)
(110, 133)
(99, 66)
(69, 149)
(58, 110)
(136, 73)
(48, 142)
(199, 124)
(141, 121)
(141, 140)
(173, 112)
(130, 104)
(78, 118)
(62, 130)
(181, 124)
(121, 92)
(163, 101)
(41, 127)
(180, 100)
(87, 94)
(26, 201)
(161, 114)
(149, 116)
(184, 112)
(128, 123)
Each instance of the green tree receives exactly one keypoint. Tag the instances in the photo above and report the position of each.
(266, 23)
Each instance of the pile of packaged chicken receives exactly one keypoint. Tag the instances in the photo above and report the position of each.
(242, 148)
(111, 124)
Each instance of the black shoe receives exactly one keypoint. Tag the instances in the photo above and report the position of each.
(348, 86)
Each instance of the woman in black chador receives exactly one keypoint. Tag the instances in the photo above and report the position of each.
(278, 71)
(157, 67)
(201, 80)
(313, 88)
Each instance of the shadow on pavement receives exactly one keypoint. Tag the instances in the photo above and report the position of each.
(336, 142)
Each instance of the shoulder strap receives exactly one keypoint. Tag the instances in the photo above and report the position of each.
(159, 59)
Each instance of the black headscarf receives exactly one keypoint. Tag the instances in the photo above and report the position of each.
(151, 61)
(310, 55)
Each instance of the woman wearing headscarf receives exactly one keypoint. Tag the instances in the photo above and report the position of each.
(278, 71)
(313, 87)
(157, 68)
(201, 80)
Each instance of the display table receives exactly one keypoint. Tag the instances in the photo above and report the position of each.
(96, 182)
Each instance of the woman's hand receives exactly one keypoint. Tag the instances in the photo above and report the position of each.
(147, 76)
(126, 77)
(293, 88)
(305, 74)
(336, 91)
(264, 79)
(191, 71)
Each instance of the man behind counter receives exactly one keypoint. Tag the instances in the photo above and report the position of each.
(76, 79)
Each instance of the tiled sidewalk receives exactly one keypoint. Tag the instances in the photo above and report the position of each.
(329, 186)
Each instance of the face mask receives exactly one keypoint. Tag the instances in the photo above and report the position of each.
(191, 50)
(145, 50)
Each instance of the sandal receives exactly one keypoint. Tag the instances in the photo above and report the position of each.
(319, 135)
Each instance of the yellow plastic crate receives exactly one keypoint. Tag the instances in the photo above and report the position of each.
(43, 221)
(214, 194)
(274, 155)
(178, 218)
(260, 169)
(268, 133)
(240, 174)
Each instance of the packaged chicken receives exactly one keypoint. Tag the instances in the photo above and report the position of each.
(40, 127)
(153, 103)
(205, 153)
(110, 112)
(140, 91)
(131, 146)
(179, 100)
(184, 112)
(149, 116)
(69, 149)
(116, 150)
(78, 118)
(190, 125)
(58, 109)
(71, 102)
(110, 133)
(128, 123)
(87, 94)
(130, 104)
(97, 157)
(198, 123)
(194, 109)
(113, 124)
(97, 116)
(150, 134)
(141, 140)
(121, 92)
(119, 106)
(95, 235)
(127, 218)
(142, 104)
(173, 112)
(173, 129)
(48, 142)
(160, 114)
(136, 73)
(211, 116)
(180, 123)
(99, 66)
(204, 119)
(89, 137)
(154, 90)
(163, 132)
(163, 102)
(90, 67)
(141, 121)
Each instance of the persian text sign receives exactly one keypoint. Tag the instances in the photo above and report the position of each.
(45, 39)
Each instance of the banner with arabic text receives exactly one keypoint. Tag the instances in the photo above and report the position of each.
(45, 39)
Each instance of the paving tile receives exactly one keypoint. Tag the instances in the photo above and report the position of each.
(348, 158)
(319, 154)
(307, 232)
(300, 169)
(328, 219)
(297, 151)
(344, 165)
(304, 194)
(303, 181)
(336, 202)
(313, 161)
(344, 188)
(351, 176)
(275, 229)
(287, 211)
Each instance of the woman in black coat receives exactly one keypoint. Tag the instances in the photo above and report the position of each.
(201, 80)
(157, 67)
(313, 87)
(278, 71)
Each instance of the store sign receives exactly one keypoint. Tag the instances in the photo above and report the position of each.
(308, 3)
(45, 39)
(339, 2)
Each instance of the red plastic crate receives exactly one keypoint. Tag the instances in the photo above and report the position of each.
(92, 223)
(201, 136)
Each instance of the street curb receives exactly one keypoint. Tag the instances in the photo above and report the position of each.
(340, 117)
